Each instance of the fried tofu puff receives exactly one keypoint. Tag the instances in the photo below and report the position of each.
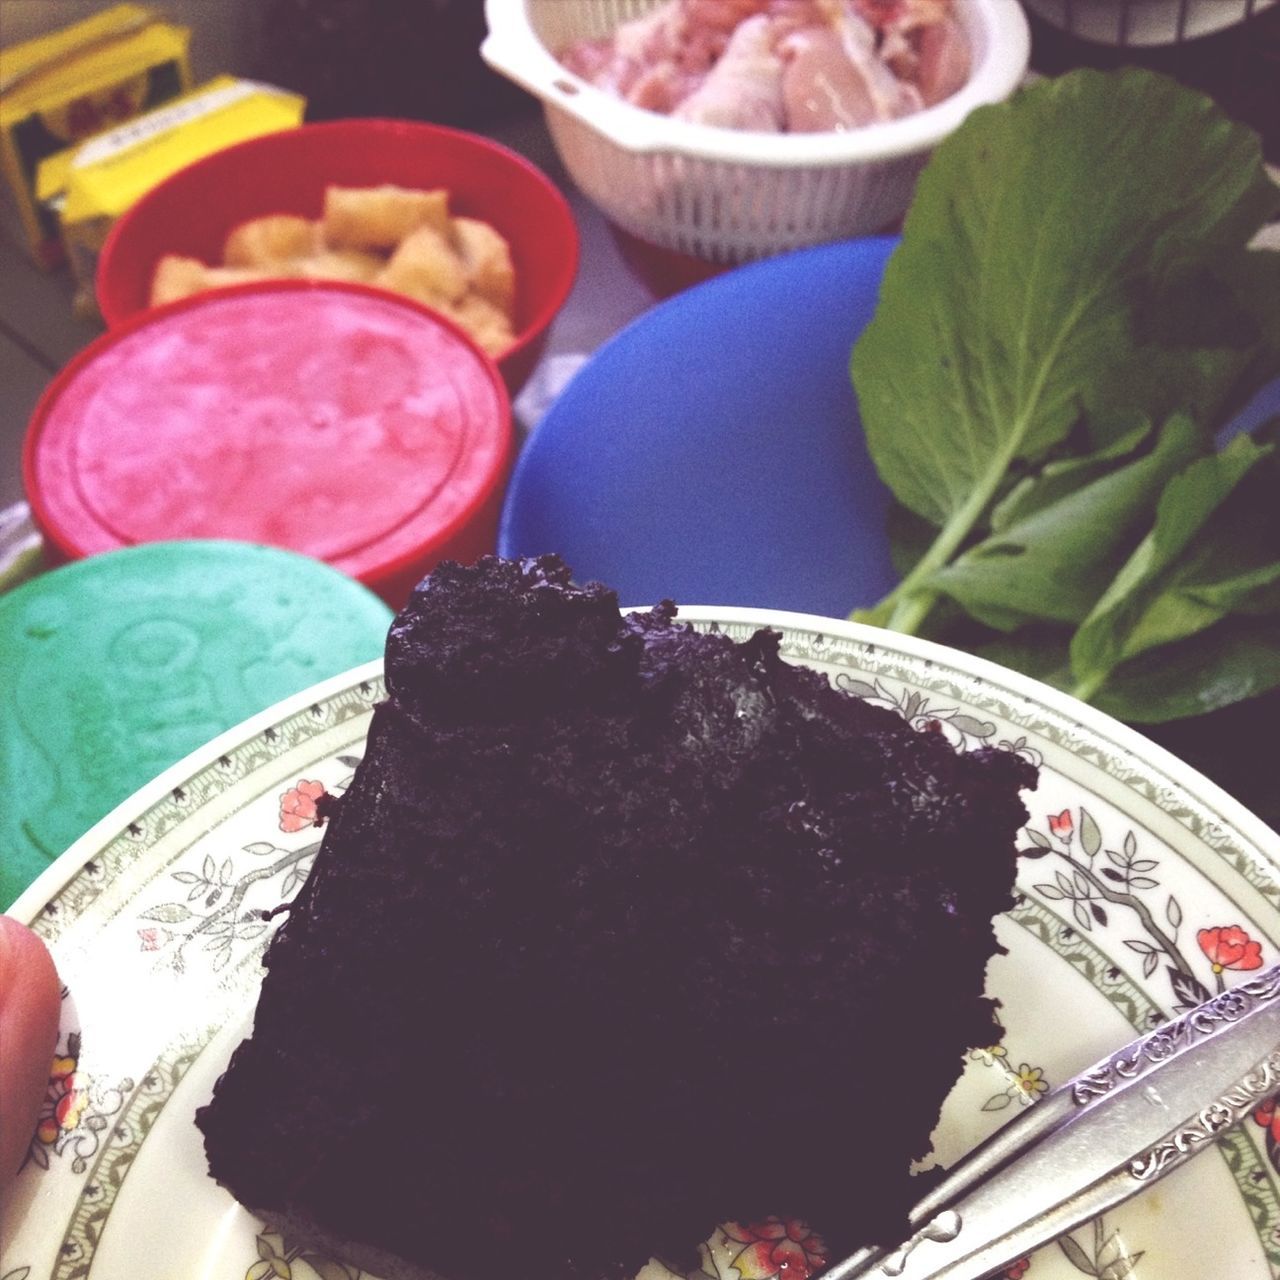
(397, 239)
(380, 217)
(177, 277)
(488, 260)
(426, 267)
(341, 264)
(270, 241)
(487, 324)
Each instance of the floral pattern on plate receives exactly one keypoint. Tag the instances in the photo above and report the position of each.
(76, 1110)
(1142, 890)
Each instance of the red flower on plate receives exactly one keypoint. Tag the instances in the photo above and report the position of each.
(298, 805)
(781, 1247)
(1061, 824)
(1016, 1270)
(1229, 947)
(67, 1100)
(1266, 1116)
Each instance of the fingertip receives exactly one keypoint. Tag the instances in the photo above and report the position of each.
(29, 1009)
(27, 973)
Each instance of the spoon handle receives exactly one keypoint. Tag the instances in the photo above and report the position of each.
(1093, 1142)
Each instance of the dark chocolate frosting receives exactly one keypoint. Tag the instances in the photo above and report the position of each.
(622, 930)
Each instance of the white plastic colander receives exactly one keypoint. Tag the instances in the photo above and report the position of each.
(725, 195)
(1137, 23)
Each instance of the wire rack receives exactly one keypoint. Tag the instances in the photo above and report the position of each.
(1144, 23)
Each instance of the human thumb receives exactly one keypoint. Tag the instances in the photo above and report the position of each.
(29, 1004)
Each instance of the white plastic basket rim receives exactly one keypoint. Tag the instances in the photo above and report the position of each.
(1145, 23)
(512, 48)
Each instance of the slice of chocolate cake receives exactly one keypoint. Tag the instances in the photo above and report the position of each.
(621, 931)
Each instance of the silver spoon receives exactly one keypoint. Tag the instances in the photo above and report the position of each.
(1093, 1142)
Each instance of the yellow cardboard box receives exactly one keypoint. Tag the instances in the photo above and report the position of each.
(60, 89)
(88, 187)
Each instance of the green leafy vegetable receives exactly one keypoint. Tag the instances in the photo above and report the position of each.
(1058, 480)
(1056, 559)
(1238, 658)
(1075, 268)
(1144, 606)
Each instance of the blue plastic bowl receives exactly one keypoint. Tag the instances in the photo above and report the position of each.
(712, 453)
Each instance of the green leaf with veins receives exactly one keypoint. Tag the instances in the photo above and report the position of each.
(1141, 608)
(1235, 659)
(1039, 230)
(1059, 479)
(1205, 342)
(1234, 566)
(1054, 561)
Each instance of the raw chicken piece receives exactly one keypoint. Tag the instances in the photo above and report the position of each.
(673, 49)
(663, 87)
(658, 59)
(615, 62)
(707, 18)
(890, 96)
(888, 16)
(655, 37)
(720, 15)
(594, 61)
(744, 89)
(821, 88)
(688, 53)
(921, 43)
(943, 65)
(799, 65)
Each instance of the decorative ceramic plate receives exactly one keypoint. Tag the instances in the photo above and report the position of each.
(1144, 889)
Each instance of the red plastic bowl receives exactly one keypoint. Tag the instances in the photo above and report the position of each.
(192, 211)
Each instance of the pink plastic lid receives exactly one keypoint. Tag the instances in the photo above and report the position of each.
(329, 419)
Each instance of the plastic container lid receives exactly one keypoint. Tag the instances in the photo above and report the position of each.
(330, 419)
(113, 668)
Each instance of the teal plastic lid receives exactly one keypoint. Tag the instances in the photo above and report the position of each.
(115, 667)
